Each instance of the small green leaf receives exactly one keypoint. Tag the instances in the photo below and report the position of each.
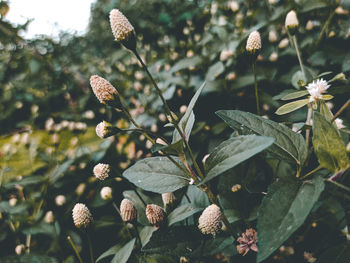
(233, 152)
(181, 213)
(111, 251)
(291, 106)
(157, 174)
(288, 145)
(172, 149)
(124, 253)
(329, 147)
(327, 97)
(295, 95)
(283, 210)
(146, 234)
(215, 70)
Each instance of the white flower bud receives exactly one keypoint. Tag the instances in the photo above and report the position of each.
(128, 211)
(291, 22)
(254, 43)
(49, 217)
(20, 249)
(13, 201)
(102, 171)
(273, 57)
(284, 43)
(81, 215)
(104, 90)
(60, 200)
(168, 199)
(210, 220)
(106, 193)
(273, 37)
(122, 29)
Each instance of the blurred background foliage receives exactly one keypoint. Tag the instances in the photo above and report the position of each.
(48, 145)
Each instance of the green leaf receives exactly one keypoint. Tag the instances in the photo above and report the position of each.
(295, 95)
(146, 234)
(215, 70)
(283, 210)
(233, 152)
(172, 149)
(186, 63)
(181, 213)
(124, 253)
(336, 254)
(288, 145)
(329, 147)
(297, 79)
(111, 251)
(187, 120)
(157, 174)
(325, 111)
(291, 106)
(327, 97)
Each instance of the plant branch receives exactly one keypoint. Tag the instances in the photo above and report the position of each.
(74, 248)
(326, 25)
(256, 88)
(124, 224)
(299, 57)
(339, 185)
(341, 110)
(311, 172)
(308, 122)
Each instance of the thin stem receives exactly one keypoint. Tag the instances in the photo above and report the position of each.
(154, 84)
(28, 243)
(308, 122)
(140, 197)
(124, 224)
(339, 185)
(299, 57)
(341, 110)
(90, 248)
(256, 88)
(311, 172)
(138, 234)
(74, 248)
(326, 25)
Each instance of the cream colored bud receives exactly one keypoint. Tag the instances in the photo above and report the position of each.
(13, 201)
(273, 37)
(273, 57)
(291, 22)
(210, 220)
(128, 211)
(183, 109)
(104, 90)
(309, 25)
(284, 43)
(168, 199)
(81, 215)
(49, 217)
(102, 171)
(234, 6)
(348, 147)
(341, 11)
(155, 214)
(254, 43)
(236, 188)
(60, 200)
(80, 189)
(122, 29)
(231, 76)
(20, 249)
(106, 193)
(104, 130)
(225, 55)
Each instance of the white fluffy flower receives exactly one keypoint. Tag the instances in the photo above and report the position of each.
(102, 171)
(253, 42)
(316, 88)
(81, 215)
(210, 220)
(106, 193)
(339, 123)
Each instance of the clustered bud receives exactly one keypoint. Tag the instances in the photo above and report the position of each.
(210, 220)
(81, 215)
(128, 211)
(247, 241)
(155, 214)
(102, 171)
(254, 43)
(104, 129)
(106, 193)
(122, 30)
(291, 22)
(168, 199)
(104, 90)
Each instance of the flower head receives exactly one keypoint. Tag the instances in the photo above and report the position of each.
(103, 90)
(292, 22)
(339, 123)
(102, 171)
(106, 193)
(254, 43)
(104, 130)
(122, 29)
(60, 200)
(155, 214)
(128, 211)
(248, 241)
(316, 88)
(81, 215)
(210, 220)
(168, 199)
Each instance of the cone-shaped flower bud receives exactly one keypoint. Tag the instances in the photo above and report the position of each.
(210, 220)
(292, 22)
(104, 91)
(106, 193)
(155, 214)
(168, 199)
(253, 46)
(128, 211)
(122, 30)
(104, 129)
(81, 215)
(102, 171)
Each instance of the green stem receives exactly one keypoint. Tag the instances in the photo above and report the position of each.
(140, 197)
(256, 89)
(326, 25)
(308, 122)
(124, 224)
(75, 249)
(311, 172)
(339, 185)
(299, 57)
(341, 110)
(90, 248)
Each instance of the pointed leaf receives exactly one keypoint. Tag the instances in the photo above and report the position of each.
(295, 95)
(124, 253)
(181, 213)
(288, 145)
(283, 210)
(329, 147)
(232, 152)
(157, 174)
(291, 106)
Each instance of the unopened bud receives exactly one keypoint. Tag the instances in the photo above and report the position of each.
(253, 46)
(106, 193)
(236, 188)
(60, 200)
(155, 214)
(104, 91)
(122, 30)
(292, 22)
(102, 171)
(104, 129)
(173, 118)
(20, 249)
(128, 211)
(49, 217)
(81, 215)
